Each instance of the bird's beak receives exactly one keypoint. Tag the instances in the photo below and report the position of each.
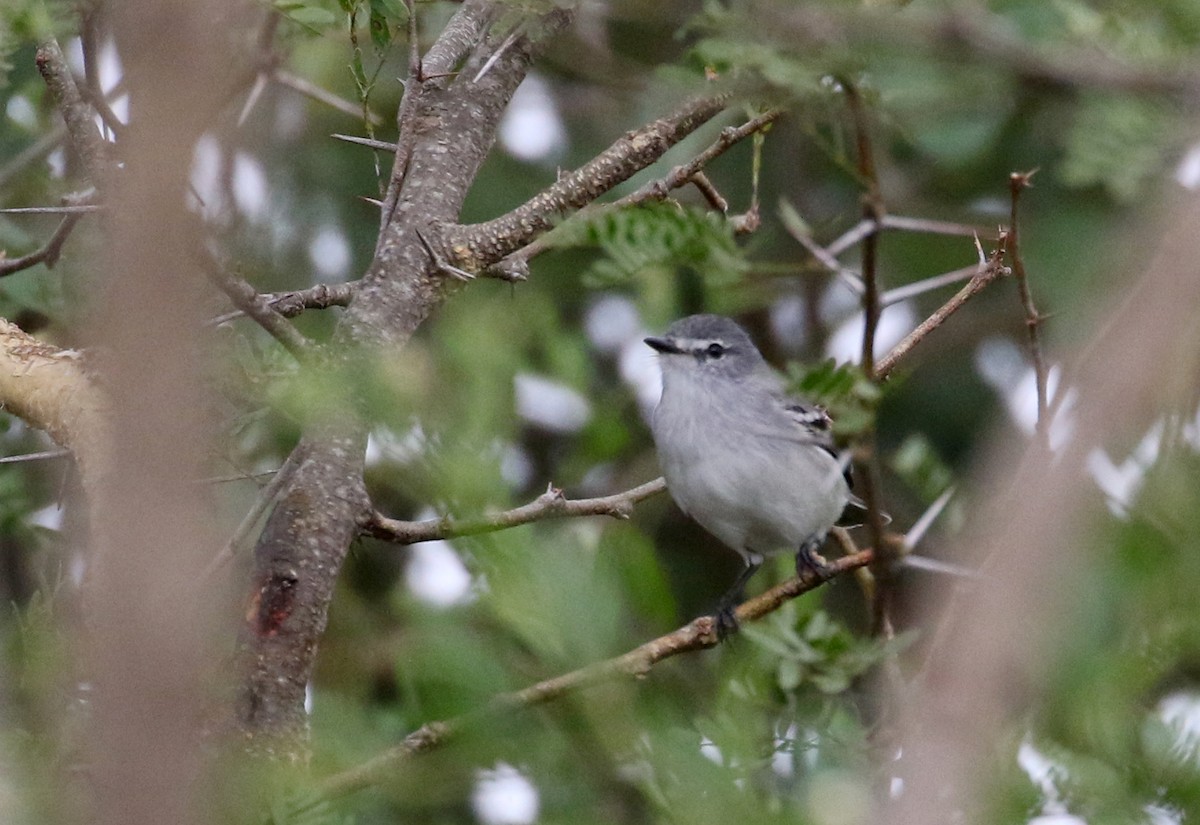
(663, 345)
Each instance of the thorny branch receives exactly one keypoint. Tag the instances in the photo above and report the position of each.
(699, 634)
(1017, 182)
(515, 266)
(257, 306)
(987, 271)
(480, 245)
(550, 504)
(292, 303)
(868, 461)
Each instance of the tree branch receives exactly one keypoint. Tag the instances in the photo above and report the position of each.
(321, 511)
(867, 460)
(515, 266)
(987, 271)
(48, 388)
(48, 254)
(656, 190)
(258, 307)
(477, 246)
(290, 304)
(1017, 182)
(550, 504)
(81, 128)
(699, 634)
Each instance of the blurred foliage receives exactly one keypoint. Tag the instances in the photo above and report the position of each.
(653, 240)
(780, 724)
(844, 390)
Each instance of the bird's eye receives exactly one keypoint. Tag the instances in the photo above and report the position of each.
(715, 350)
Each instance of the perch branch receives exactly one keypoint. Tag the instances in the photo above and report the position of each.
(699, 634)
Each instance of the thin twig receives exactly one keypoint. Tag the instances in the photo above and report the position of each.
(480, 245)
(515, 266)
(681, 175)
(1018, 181)
(32, 153)
(79, 209)
(868, 462)
(550, 504)
(381, 145)
(261, 503)
(699, 634)
(291, 304)
(309, 89)
(47, 255)
(248, 300)
(865, 228)
(710, 193)
(868, 226)
(903, 293)
(226, 479)
(984, 275)
(494, 56)
(928, 226)
(795, 226)
(46, 455)
(90, 43)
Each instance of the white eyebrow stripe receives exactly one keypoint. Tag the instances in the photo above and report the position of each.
(697, 343)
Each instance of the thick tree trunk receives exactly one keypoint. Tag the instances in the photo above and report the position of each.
(448, 124)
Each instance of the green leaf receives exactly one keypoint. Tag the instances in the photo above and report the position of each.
(311, 17)
(842, 389)
(645, 239)
(385, 15)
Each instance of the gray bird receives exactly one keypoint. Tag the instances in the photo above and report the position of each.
(754, 466)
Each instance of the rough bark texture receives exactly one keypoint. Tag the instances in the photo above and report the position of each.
(452, 122)
(47, 388)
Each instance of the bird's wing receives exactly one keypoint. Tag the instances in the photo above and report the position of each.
(801, 422)
(796, 421)
(787, 418)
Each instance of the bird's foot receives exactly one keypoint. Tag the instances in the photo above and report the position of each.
(726, 622)
(809, 561)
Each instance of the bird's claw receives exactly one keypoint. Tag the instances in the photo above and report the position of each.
(726, 622)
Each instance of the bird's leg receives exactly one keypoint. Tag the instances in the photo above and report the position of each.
(809, 560)
(727, 623)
